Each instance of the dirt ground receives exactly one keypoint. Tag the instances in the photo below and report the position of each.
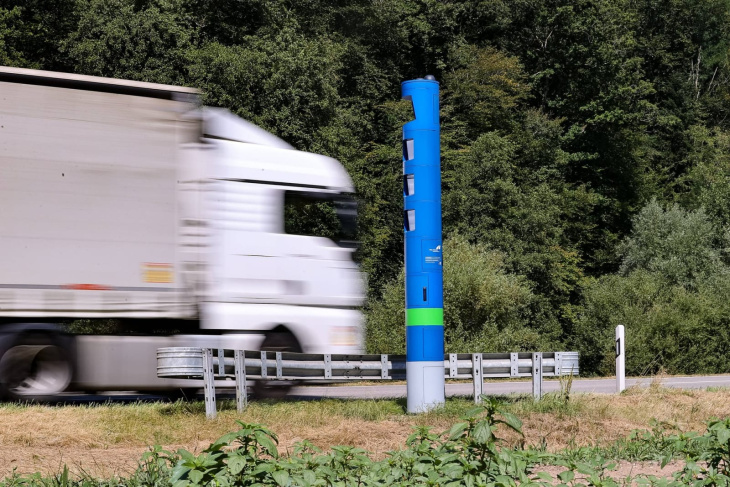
(625, 470)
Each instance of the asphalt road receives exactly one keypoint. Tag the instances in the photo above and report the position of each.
(386, 391)
(600, 386)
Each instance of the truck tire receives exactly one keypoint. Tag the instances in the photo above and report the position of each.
(35, 365)
(276, 341)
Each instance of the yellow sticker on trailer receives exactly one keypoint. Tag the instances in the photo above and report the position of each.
(157, 273)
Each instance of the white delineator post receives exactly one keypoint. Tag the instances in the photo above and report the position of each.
(620, 359)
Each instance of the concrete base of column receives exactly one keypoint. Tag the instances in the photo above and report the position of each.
(425, 385)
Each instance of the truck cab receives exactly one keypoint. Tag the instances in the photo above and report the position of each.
(269, 235)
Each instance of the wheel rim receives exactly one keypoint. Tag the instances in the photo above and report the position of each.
(35, 370)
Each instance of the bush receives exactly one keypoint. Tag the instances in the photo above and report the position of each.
(667, 327)
(672, 296)
(681, 246)
(486, 309)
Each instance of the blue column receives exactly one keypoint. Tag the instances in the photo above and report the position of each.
(423, 253)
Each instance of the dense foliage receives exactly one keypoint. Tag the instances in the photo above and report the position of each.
(585, 145)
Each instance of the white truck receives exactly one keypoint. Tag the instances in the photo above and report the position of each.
(185, 225)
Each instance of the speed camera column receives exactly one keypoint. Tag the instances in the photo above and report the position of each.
(423, 250)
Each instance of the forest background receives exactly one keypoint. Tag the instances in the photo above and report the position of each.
(585, 147)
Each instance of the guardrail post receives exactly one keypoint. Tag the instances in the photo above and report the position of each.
(221, 362)
(477, 372)
(209, 383)
(239, 363)
(264, 366)
(327, 366)
(514, 367)
(279, 371)
(453, 366)
(537, 375)
(383, 366)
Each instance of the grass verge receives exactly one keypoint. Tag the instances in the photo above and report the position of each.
(107, 439)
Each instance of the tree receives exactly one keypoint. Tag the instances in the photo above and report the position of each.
(707, 183)
(680, 246)
(146, 41)
(286, 83)
(31, 31)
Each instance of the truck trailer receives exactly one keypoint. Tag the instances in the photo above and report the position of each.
(129, 203)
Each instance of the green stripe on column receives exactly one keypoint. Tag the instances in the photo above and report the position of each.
(425, 316)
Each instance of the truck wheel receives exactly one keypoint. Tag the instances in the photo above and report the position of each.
(277, 341)
(33, 366)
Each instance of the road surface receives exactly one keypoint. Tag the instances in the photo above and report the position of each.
(601, 386)
(387, 391)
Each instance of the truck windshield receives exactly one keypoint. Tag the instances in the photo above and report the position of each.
(321, 215)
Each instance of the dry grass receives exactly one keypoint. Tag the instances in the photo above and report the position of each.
(109, 439)
(601, 420)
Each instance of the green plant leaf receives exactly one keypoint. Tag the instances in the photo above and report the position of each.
(266, 443)
(186, 455)
(263, 467)
(482, 432)
(473, 412)
(456, 430)
(224, 440)
(585, 469)
(195, 476)
(504, 481)
(309, 476)
(512, 421)
(281, 477)
(723, 435)
(566, 476)
(236, 464)
(178, 472)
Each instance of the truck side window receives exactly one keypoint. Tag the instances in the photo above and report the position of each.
(329, 215)
(309, 214)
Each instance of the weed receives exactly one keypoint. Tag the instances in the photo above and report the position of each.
(566, 385)
(717, 389)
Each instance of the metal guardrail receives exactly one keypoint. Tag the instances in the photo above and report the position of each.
(211, 364)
